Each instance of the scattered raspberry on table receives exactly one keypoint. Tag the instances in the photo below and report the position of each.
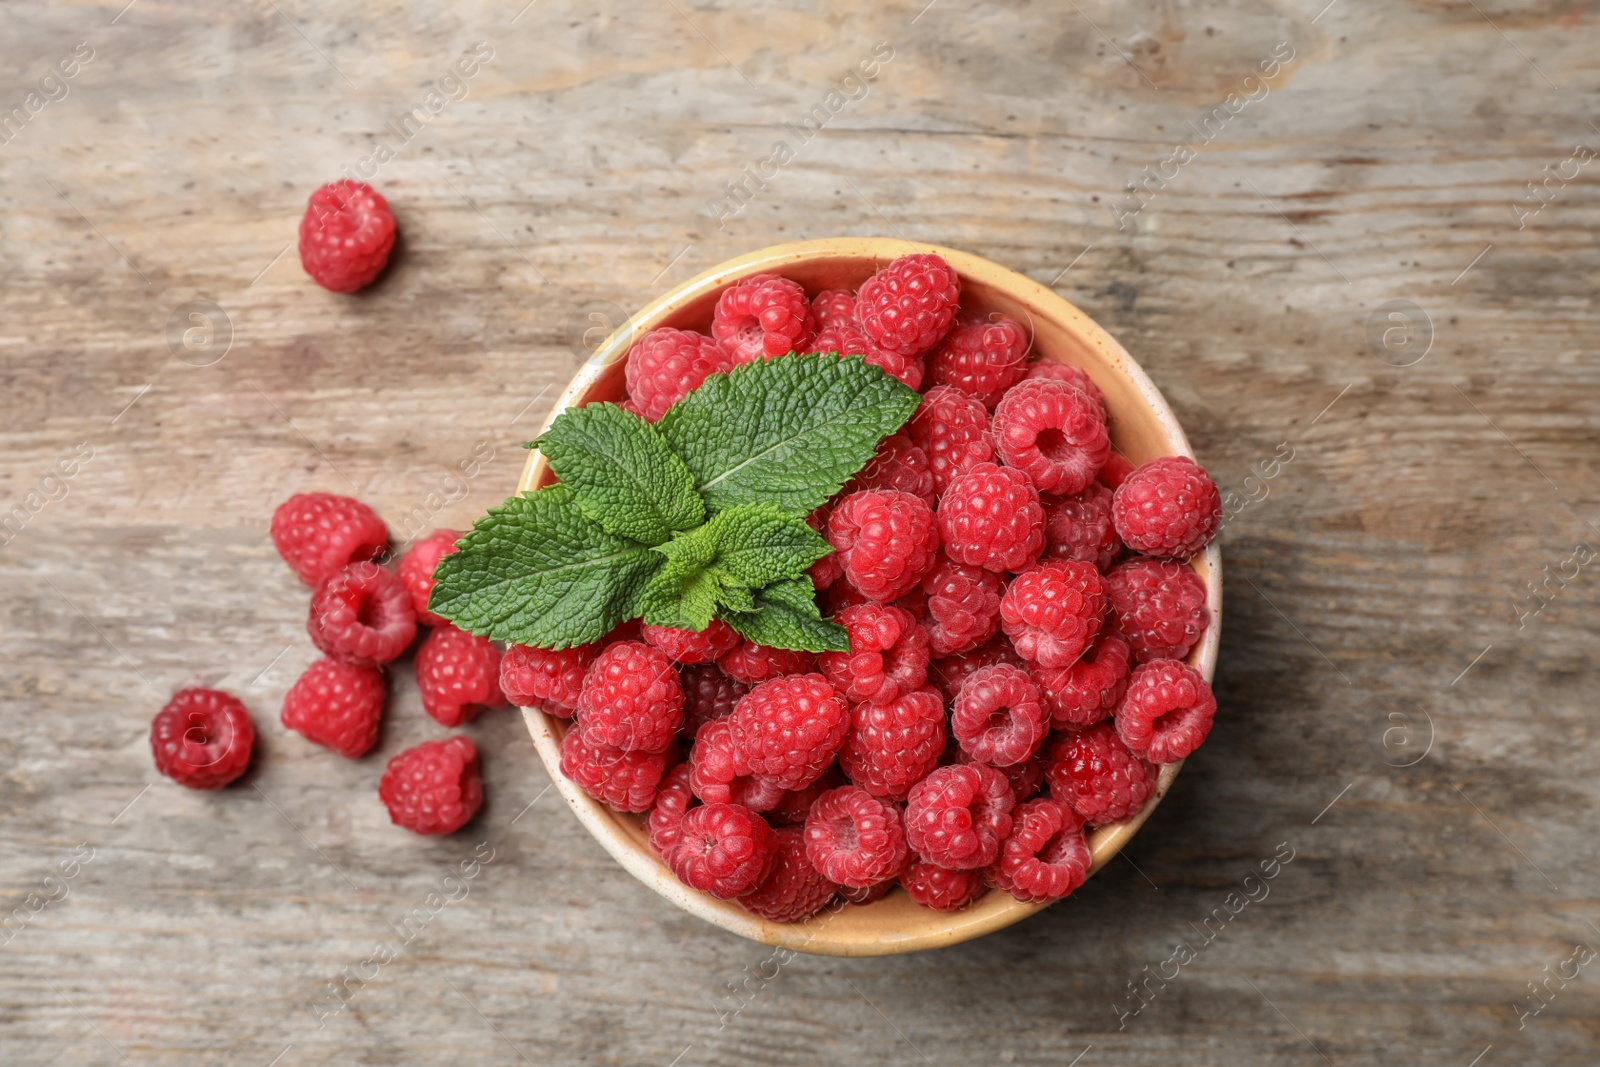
(346, 235)
(202, 738)
(434, 787)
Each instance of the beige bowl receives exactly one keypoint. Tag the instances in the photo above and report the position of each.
(1142, 428)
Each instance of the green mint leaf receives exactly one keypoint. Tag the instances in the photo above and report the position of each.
(684, 591)
(788, 431)
(622, 473)
(786, 616)
(758, 544)
(537, 571)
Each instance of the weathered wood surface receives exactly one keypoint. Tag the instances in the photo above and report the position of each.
(1379, 577)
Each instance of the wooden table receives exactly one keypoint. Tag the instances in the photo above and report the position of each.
(1399, 712)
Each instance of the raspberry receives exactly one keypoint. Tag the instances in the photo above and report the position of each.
(834, 307)
(990, 517)
(722, 849)
(362, 615)
(844, 595)
(1116, 470)
(416, 571)
(673, 801)
(963, 605)
(908, 305)
(1079, 527)
(868, 894)
(953, 430)
(950, 672)
(1166, 712)
(999, 717)
(761, 317)
(885, 540)
(539, 677)
(708, 695)
(337, 705)
(1052, 432)
(792, 809)
(898, 465)
(1054, 611)
(848, 340)
(891, 747)
(691, 646)
(345, 235)
(319, 533)
(825, 571)
(940, 888)
(982, 358)
(1168, 507)
(888, 654)
(1159, 606)
(202, 738)
(855, 838)
(1090, 689)
(458, 675)
(789, 729)
(958, 815)
(1025, 778)
(717, 776)
(433, 788)
(1093, 771)
(627, 781)
(1045, 857)
(666, 365)
(631, 698)
(793, 888)
(1066, 372)
(753, 664)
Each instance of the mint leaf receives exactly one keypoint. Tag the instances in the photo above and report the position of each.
(788, 431)
(537, 571)
(758, 544)
(786, 616)
(622, 473)
(683, 593)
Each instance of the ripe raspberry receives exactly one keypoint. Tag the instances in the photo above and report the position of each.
(202, 738)
(1053, 612)
(958, 815)
(345, 235)
(538, 677)
(673, 801)
(319, 533)
(718, 776)
(434, 787)
(796, 803)
(999, 717)
(1045, 857)
(953, 430)
(627, 781)
(1168, 507)
(789, 729)
(1090, 689)
(1052, 432)
(1066, 372)
(950, 672)
(990, 517)
(691, 646)
(1159, 606)
(939, 888)
(891, 747)
(631, 698)
(1166, 712)
(708, 695)
(337, 705)
(666, 365)
(982, 358)
(963, 605)
(825, 571)
(844, 595)
(1080, 527)
(793, 888)
(416, 571)
(722, 849)
(848, 340)
(888, 654)
(761, 317)
(898, 465)
(1093, 771)
(1025, 778)
(834, 307)
(458, 675)
(753, 664)
(1116, 471)
(908, 305)
(885, 540)
(362, 615)
(868, 894)
(855, 838)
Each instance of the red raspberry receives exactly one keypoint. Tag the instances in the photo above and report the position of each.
(950, 672)
(362, 615)
(1093, 771)
(1052, 432)
(202, 738)
(953, 430)
(908, 305)
(416, 571)
(888, 654)
(834, 307)
(990, 517)
(666, 365)
(1090, 689)
(319, 533)
(1080, 527)
(753, 664)
(1045, 857)
(963, 605)
(761, 317)
(886, 541)
(982, 358)
(855, 838)
(337, 705)
(1066, 372)
(458, 675)
(1025, 778)
(1168, 507)
(869, 894)
(789, 729)
(844, 595)
(898, 465)
(1159, 606)
(627, 781)
(673, 801)
(1166, 712)
(345, 235)
(1116, 471)
(999, 717)
(722, 849)
(1053, 612)
(796, 803)
(958, 815)
(631, 698)
(539, 677)
(825, 571)
(846, 339)
(718, 776)
(891, 747)
(793, 888)
(692, 646)
(939, 888)
(434, 787)
(708, 695)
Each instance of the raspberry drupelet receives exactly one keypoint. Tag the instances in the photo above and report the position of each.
(345, 235)
(854, 838)
(433, 788)
(1090, 689)
(416, 571)
(1159, 606)
(318, 534)
(1054, 433)
(952, 429)
(718, 776)
(337, 705)
(888, 654)
(1045, 857)
(910, 304)
(761, 317)
(1166, 712)
(991, 517)
(982, 357)
(362, 614)
(458, 675)
(625, 780)
(891, 747)
(540, 677)
(793, 888)
(1079, 527)
(958, 815)
(722, 849)
(963, 605)
(1168, 508)
(202, 738)
(1093, 771)
(999, 717)
(885, 540)
(789, 729)
(1053, 612)
(666, 365)
(632, 698)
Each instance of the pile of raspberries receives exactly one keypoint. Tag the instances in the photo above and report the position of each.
(1018, 607)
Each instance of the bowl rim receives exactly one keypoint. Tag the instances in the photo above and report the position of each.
(995, 911)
